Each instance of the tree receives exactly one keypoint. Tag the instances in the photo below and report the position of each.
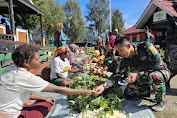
(54, 14)
(117, 20)
(74, 22)
(98, 13)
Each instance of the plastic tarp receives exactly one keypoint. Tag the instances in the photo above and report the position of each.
(133, 106)
(61, 110)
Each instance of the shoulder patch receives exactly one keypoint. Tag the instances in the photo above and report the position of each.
(153, 50)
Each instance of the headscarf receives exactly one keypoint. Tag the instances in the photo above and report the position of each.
(73, 56)
(73, 47)
(61, 49)
(59, 26)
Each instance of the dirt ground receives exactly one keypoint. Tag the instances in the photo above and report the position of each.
(171, 110)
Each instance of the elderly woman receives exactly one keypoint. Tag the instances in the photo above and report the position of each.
(17, 85)
(60, 68)
(72, 58)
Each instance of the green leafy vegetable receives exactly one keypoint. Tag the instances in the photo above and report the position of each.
(111, 99)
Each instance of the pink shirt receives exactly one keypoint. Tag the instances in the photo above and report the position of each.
(112, 40)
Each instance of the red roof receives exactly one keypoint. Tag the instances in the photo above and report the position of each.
(132, 30)
(168, 5)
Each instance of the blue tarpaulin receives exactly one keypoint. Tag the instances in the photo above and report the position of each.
(133, 106)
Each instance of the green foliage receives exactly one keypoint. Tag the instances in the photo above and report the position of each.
(74, 23)
(98, 13)
(110, 100)
(117, 20)
(54, 14)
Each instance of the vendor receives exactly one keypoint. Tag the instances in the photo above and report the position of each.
(101, 56)
(110, 60)
(72, 58)
(96, 55)
(60, 68)
(17, 85)
(152, 72)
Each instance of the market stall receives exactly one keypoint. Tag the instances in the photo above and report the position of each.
(80, 106)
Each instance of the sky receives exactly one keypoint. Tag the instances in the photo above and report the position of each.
(131, 9)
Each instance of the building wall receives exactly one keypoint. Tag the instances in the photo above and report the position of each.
(159, 34)
(134, 36)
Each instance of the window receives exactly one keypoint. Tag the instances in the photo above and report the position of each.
(159, 33)
(138, 38)
(130, 38)
(134, 39)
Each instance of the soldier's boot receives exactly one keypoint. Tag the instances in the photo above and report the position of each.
(167, 84)
(160, 106)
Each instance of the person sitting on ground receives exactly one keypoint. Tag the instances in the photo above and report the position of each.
(101, 56)
(96, 55)
(72, 58)
(152, 72)
(60, 68)
(17, 85)
(111, 59)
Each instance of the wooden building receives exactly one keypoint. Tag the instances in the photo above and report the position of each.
(21, 7)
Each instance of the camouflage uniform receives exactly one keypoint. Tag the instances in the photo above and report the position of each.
(151, 68)
(109, 60)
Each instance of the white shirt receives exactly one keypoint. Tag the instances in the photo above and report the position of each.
(16, 86)
(59, 66)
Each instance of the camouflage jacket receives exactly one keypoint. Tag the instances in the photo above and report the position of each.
(145, 60)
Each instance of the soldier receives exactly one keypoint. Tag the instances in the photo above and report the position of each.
(149, 36)
(151, 72)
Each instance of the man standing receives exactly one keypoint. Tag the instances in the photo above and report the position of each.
(117, 33)
(85, 41)
(111, 39)
(99, 39)
(151, 72)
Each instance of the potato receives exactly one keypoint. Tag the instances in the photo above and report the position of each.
(99, 71)
(88, 68)
(95, 59)
(105, 73)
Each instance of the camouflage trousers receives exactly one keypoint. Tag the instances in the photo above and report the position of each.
(141, 87)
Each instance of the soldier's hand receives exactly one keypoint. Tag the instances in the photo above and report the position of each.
(116, 58)
(132, 77)
(98, 90)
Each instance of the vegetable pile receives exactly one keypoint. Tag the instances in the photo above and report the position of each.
(99, 113)
(111, 99)
(86, 61)
(95, 69)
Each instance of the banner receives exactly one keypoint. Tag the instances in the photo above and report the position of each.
(159, 16)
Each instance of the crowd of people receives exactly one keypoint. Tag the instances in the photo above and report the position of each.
(142, 68)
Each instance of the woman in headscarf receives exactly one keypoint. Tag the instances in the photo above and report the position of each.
(60, 68)
(72, 58)
(59, 37)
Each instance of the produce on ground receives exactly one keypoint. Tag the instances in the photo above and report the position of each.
(111, 99)
(89, 52)
(86, 61)
(100, 113)
(94, 68)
